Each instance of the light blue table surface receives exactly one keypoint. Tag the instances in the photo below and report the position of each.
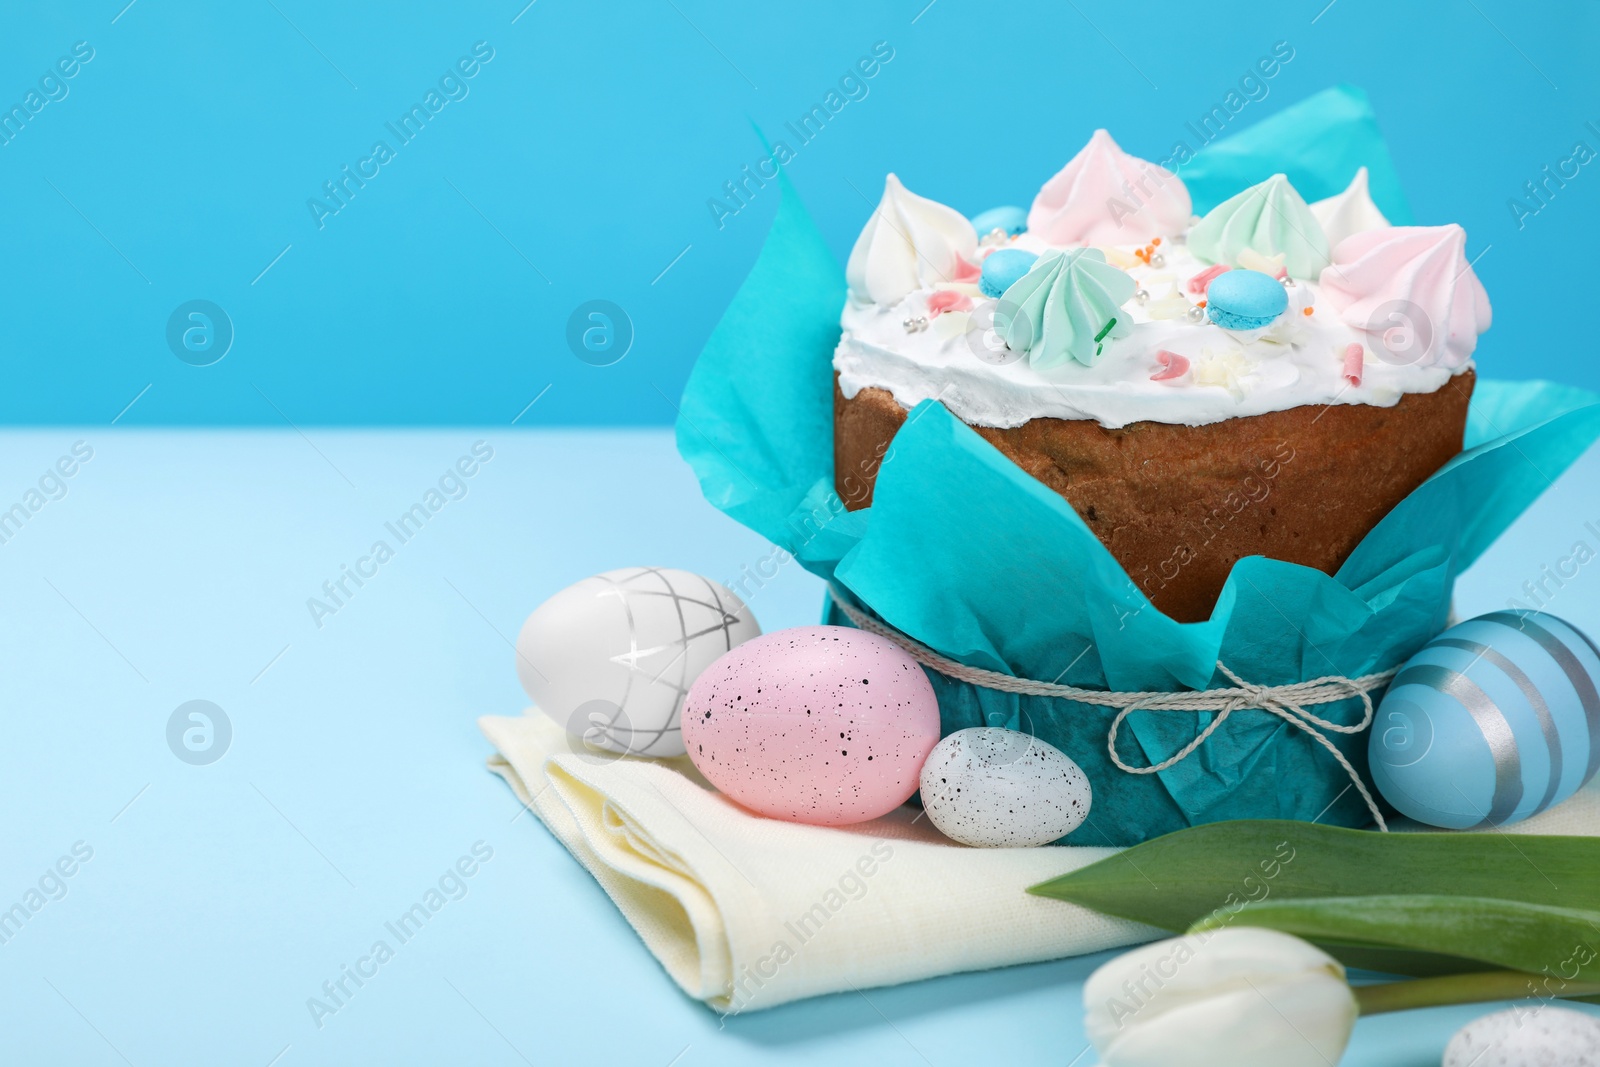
(219, 898)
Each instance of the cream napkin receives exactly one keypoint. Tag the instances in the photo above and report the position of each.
(746, 912)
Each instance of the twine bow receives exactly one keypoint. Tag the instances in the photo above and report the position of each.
(1287, 702)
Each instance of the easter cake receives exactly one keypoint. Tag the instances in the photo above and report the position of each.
(1270, 379)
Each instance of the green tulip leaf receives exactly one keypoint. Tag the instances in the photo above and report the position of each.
(1553, 944)
(1179, 879)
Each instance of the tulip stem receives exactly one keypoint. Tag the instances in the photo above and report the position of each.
(1465, 989)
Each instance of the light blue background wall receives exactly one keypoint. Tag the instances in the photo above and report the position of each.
(579, 165)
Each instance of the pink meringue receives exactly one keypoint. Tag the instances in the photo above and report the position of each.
(1413, 289)
(1107, 197)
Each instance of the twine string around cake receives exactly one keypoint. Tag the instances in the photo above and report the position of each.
(1287, 702)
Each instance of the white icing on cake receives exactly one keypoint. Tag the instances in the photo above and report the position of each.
(1298, 360)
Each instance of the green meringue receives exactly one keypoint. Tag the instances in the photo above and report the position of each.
(1268, 218)
(1066, 306)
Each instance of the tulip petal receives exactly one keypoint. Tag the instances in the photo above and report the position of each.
(1237, 997)
(1299, 1025)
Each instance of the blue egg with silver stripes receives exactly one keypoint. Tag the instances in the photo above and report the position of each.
(1494, 720)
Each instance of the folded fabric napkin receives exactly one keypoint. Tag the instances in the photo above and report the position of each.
(747, 912)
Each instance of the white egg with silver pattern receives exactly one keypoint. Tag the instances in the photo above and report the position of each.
(611, 657)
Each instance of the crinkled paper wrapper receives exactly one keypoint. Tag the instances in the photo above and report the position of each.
(969, 555)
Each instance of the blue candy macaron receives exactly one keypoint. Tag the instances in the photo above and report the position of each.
(1011, 220)
(1245, 300)
(1003, 269)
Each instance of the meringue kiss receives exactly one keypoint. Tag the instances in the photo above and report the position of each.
(1270, 219)
(1107, 197)
(909, 243)
(1349, 212)
(1412, 289)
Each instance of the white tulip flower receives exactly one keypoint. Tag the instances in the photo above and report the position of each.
(1241, 996)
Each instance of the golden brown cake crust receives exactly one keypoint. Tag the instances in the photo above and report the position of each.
(1178, 505)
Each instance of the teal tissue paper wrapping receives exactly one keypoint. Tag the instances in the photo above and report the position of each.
(967, 554)
(1319, 143)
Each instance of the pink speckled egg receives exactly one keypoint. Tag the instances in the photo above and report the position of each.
(819, 724)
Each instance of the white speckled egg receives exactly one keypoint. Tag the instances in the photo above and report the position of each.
(1546, 1036)
(997, 788)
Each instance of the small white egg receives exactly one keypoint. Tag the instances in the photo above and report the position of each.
(997, 788)
(1542, 1036)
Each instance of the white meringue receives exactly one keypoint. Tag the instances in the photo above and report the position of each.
(1349, 212)
(909, 243)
